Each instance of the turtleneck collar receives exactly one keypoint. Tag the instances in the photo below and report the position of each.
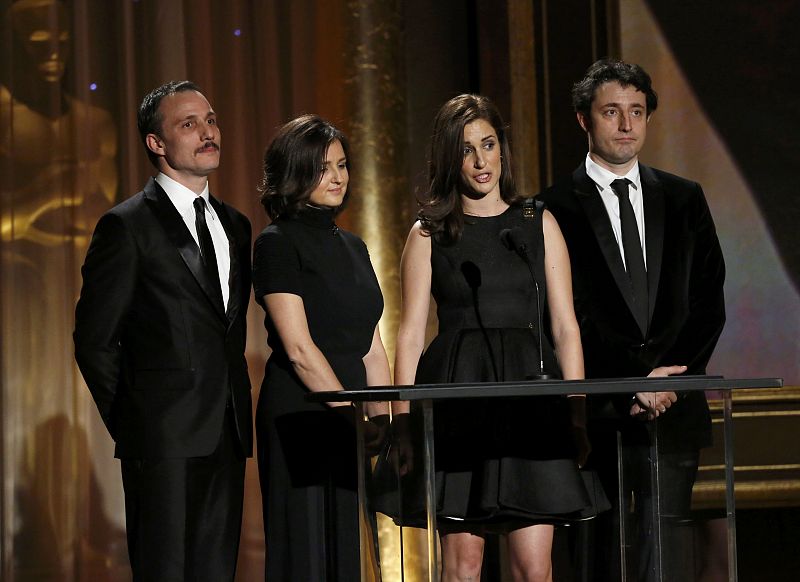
(318, 216)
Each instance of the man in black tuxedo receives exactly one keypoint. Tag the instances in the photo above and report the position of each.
(160, 337)
(648, 276)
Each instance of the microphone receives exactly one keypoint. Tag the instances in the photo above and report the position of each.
(514, 240)
(472, 275)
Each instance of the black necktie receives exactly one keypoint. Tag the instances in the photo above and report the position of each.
(634, 259)
(207, 245)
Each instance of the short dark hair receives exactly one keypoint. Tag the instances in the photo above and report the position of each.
(149, 118)
(608, 70)
(294, 162)
(440, 212)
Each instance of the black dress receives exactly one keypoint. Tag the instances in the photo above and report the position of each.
(306, 453)
(503, 462)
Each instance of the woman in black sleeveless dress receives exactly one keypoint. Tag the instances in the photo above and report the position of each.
(508, 466)
(322, 304)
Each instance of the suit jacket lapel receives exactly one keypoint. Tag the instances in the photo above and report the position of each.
(180, 236)
(234, 280)
(653, 196)
(586, 192)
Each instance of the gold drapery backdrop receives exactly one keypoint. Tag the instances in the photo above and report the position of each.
(71, 76)
(72, 73)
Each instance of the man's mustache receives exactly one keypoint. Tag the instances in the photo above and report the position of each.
(209, 143)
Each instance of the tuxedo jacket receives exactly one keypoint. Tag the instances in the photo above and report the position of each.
(685, 275)
(160, 355)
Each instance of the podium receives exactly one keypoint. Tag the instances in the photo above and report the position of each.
(650, 534)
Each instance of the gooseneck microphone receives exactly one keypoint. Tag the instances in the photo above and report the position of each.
(472, 275)
(514, 240)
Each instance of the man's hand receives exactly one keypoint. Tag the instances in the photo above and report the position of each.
(653, 404)
(664, 371)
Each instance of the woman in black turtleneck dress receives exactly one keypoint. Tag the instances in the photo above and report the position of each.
(322, 304)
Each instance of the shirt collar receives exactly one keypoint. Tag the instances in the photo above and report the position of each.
(180, 196)
(603, 177)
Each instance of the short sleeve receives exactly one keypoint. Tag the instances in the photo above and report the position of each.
(276, 265)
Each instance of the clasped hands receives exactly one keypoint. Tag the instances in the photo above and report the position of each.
(374, 428)
(401, 450)
(377, 429)
(651, 405)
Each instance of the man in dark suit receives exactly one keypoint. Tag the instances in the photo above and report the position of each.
(648, 276)
(160, 337)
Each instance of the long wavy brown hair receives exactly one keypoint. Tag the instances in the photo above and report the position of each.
(441, 214)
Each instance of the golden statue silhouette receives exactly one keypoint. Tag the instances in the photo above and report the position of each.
(58, 152)
(59, 173)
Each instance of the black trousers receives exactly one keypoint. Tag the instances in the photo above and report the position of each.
(599, 559)
(677, 472)
(184, 516)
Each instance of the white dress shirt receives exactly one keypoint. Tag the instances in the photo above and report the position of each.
(602, 179)
(183, 200)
